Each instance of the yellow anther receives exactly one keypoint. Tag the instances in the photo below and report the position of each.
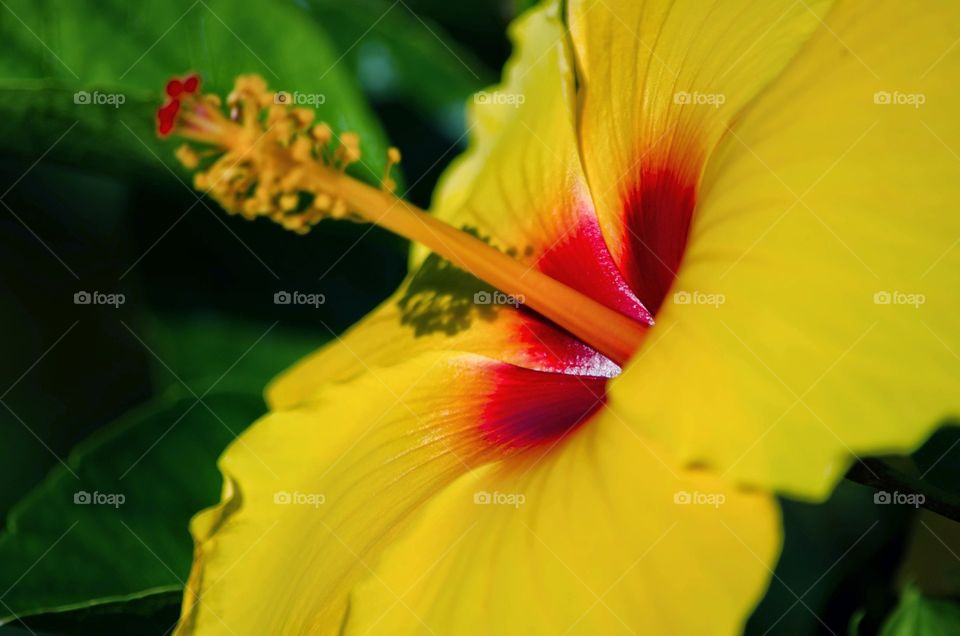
(250, 208)
(188, 157)
(301, 149)
(294, 223)
(288, 202)
(339, 209)
(276, 113)
(282, 128)
(349, 150)
(393, 158)
(321, 133)
(249, 87)
(303, 116)
(292, 179)
(322, 202)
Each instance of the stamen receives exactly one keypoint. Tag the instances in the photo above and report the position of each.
(393, 158)
(272, 161)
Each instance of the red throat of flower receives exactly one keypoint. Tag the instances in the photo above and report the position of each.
(268, 159)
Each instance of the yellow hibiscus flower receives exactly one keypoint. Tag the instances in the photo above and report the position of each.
(720, 251)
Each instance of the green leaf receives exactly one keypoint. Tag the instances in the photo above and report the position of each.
(207, 351)
(112, 524)
(917, 615)
(936, 461)
(24, 631)
(929, 560)
(152, 615)
(836, 556)
(116, 51)
(929, 476)
(399, 55)
(524, 5)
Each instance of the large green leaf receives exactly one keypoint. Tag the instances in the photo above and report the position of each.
(111, 525)
(936, 461)
(205, 351)
(836, 556)
(930, 475)
(397, 54)
(153, 615)
(917, 615)
(54, 48)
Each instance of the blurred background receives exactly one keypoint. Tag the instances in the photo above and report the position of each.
(128, 400)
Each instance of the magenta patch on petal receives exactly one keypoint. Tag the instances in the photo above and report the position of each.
(657, 215)
(527, 408)
(580, 259)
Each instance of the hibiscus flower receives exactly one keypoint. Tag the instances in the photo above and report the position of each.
(712, 256)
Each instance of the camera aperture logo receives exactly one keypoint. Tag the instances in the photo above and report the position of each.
(296, 98)
(697, 498)
(696, 98)
(699, 298)
(97, 498)
(899, 298)
(299, 298)
(484, 498)
(897, 98)
(897, 498)
(99, 298)
(498, 98)
(96, 98)
(296, 498)
(497, 298)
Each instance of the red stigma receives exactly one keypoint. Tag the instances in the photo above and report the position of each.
(191, 83)
(174, 88)
(177, 87)
(166, 117)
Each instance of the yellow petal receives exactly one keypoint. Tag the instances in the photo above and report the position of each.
(661, 81)
(817, 312)
(600, 537)
(437, 310)
(520, 186)
(313, 495)
(520, 183)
